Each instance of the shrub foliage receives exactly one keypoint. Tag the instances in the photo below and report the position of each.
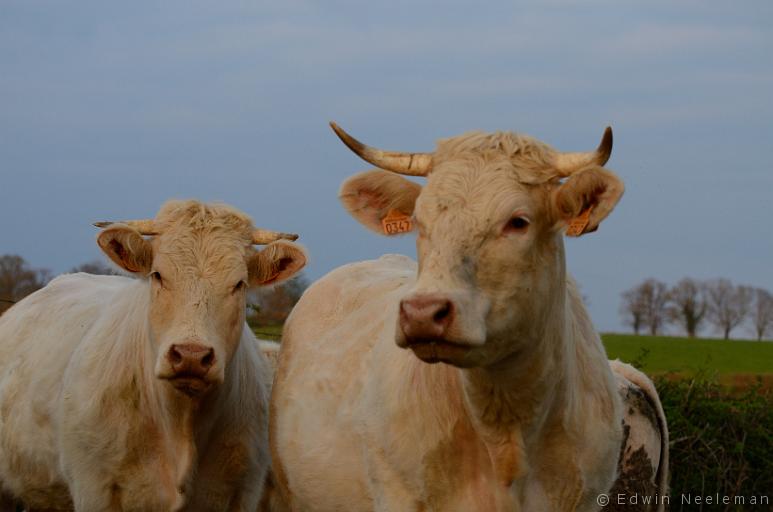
(721, 440)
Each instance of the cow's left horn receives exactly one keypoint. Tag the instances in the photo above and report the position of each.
(143, 226)
(263, 236)
(568, 163)
(410, 164)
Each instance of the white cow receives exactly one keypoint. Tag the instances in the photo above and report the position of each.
(473, 381)
(145, 393)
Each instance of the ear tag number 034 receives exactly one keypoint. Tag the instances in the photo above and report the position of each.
(396, 222)
(578, 224)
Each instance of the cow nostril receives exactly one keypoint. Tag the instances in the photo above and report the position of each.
(175, 357)
(208, 359)
(443, 313)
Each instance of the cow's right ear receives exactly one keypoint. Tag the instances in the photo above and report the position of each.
(276, 262)
(127, 248)
(381, 200)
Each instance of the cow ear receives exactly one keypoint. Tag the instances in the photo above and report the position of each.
(381, 200)
(126, 248)
(277, 262)
(585, 199)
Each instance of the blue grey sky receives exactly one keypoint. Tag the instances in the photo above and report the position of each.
(107, 109)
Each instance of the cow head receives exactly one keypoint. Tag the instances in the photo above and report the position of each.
(199, 261)
(490, 223)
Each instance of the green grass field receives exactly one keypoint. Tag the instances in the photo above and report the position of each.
(688, 356)
(268, 332)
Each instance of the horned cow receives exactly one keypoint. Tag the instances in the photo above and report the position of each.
(473, 380)
(144, 393)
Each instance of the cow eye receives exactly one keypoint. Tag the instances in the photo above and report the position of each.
(156, 276)
(241, 285)
(516, 224)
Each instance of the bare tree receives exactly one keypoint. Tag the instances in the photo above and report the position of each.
(96, 267)
(688, 305)
(656, 295)
(18, 279)
(632, 309)
(646, 305)
(762, 312)
(728, 305)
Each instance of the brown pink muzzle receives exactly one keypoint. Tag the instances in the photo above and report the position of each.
(425, 318)
(189, 364)
(429, 326)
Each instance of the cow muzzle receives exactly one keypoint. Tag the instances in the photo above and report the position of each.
(425, 317)
(425, 322)
(190, 365)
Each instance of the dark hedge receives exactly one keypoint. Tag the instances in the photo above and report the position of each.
(721, 441)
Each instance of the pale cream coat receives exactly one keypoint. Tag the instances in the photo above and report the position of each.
(525, 415)
(90, 416)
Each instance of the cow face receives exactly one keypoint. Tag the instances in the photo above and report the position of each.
(199, 266)
(490, 224)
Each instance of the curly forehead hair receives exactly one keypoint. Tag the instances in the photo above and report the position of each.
(197, 216)
(532, 160)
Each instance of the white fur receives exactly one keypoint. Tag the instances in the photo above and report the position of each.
(360, 424)
(524, 417)
(82, 413)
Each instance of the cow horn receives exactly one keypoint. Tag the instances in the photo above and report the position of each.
(568, 163)
(410, 164)
(263, 236)
(143, 226)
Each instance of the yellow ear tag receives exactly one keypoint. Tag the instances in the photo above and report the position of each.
(578, 224)
(396, 222)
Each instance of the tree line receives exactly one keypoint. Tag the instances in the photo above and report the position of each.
(692, 305)
(265, 306)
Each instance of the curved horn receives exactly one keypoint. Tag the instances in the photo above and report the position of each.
(143, 226)
(263, 236)
(410, 164)
(568, 163)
